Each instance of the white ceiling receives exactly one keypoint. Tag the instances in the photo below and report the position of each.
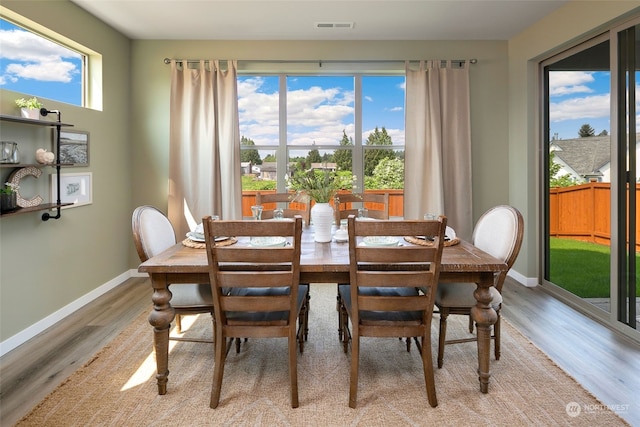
(295, 19)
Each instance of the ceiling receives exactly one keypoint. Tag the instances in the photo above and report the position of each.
(296, 19)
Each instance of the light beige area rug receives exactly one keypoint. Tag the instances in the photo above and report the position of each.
(118, 387)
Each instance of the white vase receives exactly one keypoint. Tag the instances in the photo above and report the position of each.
(30, 113)
(322, 219)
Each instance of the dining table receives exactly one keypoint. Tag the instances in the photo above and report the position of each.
(319, 263)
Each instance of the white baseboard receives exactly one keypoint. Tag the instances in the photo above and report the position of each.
(38, 327)
(529, 282)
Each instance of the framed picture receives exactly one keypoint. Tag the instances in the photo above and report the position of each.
(74, 147)
(75, 188)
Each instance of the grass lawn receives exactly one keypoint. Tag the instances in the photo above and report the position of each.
(582, 268)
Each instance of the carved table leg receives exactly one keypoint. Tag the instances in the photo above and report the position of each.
(484, 316)
(160, 318)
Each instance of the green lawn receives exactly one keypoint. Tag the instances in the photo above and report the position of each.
(582, 268)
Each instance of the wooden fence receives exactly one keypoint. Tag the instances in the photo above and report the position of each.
(396, 201)
(582, 212)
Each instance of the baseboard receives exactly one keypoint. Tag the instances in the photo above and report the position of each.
(38, 327)
(529, 282)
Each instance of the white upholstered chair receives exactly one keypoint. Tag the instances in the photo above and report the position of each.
(152, 234)
(498, 232)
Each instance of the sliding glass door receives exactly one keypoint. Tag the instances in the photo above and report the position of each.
(590, 248)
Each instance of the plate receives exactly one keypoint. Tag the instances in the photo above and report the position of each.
(449, 234)
(268, 241)
(200, 237)
(380, 241)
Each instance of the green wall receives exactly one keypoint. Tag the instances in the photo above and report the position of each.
(45, 266)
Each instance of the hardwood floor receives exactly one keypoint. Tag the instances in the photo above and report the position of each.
(604, 362)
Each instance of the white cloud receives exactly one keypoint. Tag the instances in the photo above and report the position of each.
(395, 109)
(567, 82)
(29, 56)
(368, 98)
(589, 107)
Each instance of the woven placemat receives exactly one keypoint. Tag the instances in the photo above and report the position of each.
(201, 245)
(424, 242)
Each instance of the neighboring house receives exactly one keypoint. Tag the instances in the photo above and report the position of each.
(585, 159)
(245, 167)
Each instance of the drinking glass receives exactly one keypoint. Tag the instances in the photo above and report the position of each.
(363, 213)
(278, 214)
(256, 210)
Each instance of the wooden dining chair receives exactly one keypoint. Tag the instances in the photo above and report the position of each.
(152, 234)
(498, 232)
(270, 201)
(266, 298)
(392, 289)
(377, 205)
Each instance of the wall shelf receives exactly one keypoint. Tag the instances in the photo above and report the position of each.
(57, 125)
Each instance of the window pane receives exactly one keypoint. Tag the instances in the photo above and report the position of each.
(383, 107)
(258, 109)
(319, 110)
(39, 67)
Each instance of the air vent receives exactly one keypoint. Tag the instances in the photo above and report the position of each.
(348, 25)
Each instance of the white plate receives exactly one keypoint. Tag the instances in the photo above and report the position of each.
(380, 241)
(268, 241)
(200, 237)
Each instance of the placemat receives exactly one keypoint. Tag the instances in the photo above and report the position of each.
(201, 245)
(423, 242)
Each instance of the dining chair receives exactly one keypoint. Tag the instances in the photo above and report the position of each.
(267, 299)
(152, 234)
(499, 232)
(270, 201)
(392, 288)
(377, 205)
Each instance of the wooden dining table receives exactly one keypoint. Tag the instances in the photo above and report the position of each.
(319, 263)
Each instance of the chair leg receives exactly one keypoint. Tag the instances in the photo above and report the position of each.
(427, 366)
(496, 334)
(178, 323)
(442, 336)
(470, 324)
(293, 369)
(218, 368)
(344, 327)
(353, 382)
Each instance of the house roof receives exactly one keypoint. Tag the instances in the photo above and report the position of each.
(586, 156)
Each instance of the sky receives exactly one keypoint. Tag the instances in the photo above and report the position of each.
(319, 108)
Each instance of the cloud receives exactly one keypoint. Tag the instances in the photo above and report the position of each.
(568, 82)
(29, 56)
(368, 98)
(589, 107)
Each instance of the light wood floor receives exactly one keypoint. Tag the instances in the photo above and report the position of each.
(603, 361)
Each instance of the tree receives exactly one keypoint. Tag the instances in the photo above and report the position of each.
(565, 180)
(603, 133)
(586, 131)
(389, 173)
(269, 158)
(344, 157)
(371, 156)
(314, 157)
(249, 155)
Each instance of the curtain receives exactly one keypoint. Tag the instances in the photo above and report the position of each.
(204, 146)
(438, 144)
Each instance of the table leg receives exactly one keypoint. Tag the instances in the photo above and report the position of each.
(485, 317)
(160, 318)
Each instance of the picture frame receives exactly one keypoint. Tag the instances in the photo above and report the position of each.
(74, 148)
(76, 188)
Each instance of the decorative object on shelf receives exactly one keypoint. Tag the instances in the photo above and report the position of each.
(8, 197)
(15, 178)
(74, 148)
(44, 157)
(75, 188)
(29, 108)
(10, 153)
(320, 186)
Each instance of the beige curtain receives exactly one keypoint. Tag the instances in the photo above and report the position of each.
(204, 147)
(438, 144)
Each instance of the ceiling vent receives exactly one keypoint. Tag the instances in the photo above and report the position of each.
(346, 25)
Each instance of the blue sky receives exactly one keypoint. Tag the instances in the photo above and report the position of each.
(35, 66)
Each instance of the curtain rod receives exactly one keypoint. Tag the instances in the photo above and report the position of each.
(320, 62)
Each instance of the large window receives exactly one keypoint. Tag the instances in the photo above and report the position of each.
(351, 123)
(37, 66)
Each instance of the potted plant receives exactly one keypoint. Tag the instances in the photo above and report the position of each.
(319, 186)
(30, 108)
(9, 197)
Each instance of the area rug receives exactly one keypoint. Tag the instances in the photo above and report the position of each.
(118, 387)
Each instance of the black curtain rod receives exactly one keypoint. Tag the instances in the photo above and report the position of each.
(320, 62)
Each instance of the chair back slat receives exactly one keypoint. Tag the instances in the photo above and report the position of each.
(255, 304)
(377, 205)
(291, 206)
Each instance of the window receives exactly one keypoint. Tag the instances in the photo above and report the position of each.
(352, 123)
(40, 67)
